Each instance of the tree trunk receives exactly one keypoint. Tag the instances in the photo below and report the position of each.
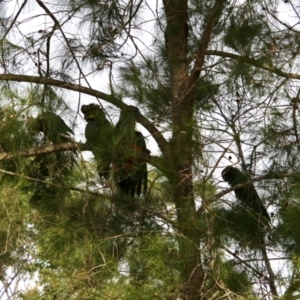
(180, 158)
(192, 273)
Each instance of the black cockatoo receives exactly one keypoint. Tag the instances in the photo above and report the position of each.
(52, 126)
(130, 152)
(246, 194)
(55, 131)
(99, 136)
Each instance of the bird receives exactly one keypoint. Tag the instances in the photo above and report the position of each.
(247, 193)
(99, 134)
(52, 126)
(55, 131)
(130, 149)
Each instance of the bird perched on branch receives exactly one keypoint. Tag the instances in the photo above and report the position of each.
(130, 166)
(122, 147)
(246, 194)
(55, 131)
(52, 126)
(99, 135)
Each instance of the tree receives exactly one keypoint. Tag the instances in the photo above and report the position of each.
(211, 84)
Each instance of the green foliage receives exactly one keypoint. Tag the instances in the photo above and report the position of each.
(241, 34)
(205, 91)
(205, 189)
(238, 224)
(147, 82)
(215, 86)
(288, 229)
(152, 269)
(235, 278)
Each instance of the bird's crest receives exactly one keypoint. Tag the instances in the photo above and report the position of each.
(92, 111)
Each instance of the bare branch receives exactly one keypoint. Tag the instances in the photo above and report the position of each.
(254, 62)
(204, 41)
(43, 150)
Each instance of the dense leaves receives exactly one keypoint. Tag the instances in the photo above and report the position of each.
(87, 211)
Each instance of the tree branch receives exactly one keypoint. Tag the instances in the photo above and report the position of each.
(159, 138)
(204, 41)
(254, 62)
(43, 150)
(251, 181)
(83, 191)
(64, 147)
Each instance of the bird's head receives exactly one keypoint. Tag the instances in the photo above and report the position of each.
(92, 111)
(33, 125)
(229, 174)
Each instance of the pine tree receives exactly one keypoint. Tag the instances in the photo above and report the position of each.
(112, 184)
